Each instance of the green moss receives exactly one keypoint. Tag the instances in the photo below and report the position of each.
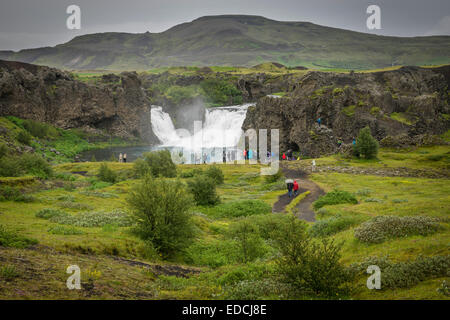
(349, 110)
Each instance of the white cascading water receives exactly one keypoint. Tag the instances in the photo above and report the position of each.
(222, 128)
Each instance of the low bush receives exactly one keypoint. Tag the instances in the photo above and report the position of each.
(39, 130)
(8, 272)
(203, 190)
(9, 238)
(405, 274)
(249, 243)
(382, 228)
(161, 210)
(105, 174)
(157, 163)
(75, 205)
(334, 197)
(215, 173)
(241, 208)
(24, 137)
(257, 289)
(8, 193)
(95, 219)
(214, 253)
(48, 213)
(310, 267)
(63, 230)
(333, 225)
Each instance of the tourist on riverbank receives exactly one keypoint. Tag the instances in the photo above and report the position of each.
(120, 157)
(290, 186)
(124, 157)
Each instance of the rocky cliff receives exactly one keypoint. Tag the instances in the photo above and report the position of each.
(117, 106)
(409, 101)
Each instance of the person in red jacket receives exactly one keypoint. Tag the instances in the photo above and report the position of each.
(295, 188)
(284, 156)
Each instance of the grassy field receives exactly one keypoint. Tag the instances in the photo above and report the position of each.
(116, 264)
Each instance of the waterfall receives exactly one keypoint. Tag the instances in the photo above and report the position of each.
(222, 127)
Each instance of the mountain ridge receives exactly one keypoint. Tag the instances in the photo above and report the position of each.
(238, 40)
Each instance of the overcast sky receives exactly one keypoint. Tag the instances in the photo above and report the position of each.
(37, 23)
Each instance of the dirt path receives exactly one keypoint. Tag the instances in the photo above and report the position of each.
(304, 207)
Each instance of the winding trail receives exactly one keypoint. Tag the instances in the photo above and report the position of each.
(305, 211)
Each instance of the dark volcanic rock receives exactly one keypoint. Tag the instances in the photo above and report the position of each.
(49, 95)
(411, 100)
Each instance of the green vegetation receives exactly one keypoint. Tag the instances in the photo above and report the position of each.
(381, 228)
(204, 190)
(366, 145)
(9, 238)
(161, 208)
(157, 163)
(334, 197)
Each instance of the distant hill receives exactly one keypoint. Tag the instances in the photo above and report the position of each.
(240, 41)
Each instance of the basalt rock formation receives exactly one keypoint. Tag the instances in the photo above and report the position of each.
(118, 105)
(411, 100)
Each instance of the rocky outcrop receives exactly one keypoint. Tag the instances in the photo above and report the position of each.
(411, 100)
(117, 106)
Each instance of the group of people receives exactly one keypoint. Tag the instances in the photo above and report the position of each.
(292, 186)
(289, 156)
(122, 157)
(249, 154)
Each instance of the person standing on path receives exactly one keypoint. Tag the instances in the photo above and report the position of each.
(120, 157)
(319, 121)
(290, 186)
(313, 165)
(124, 157)
(295, 188)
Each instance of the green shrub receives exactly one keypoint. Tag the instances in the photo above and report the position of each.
(250, 244)
(63, 230)
(333, 225)
(105, 174)
(3, 150)
(10, 238)
(334, 197)
(310, 267)
(274, 177)
(216, 174)
(240, 208)
(9, 193)
(161, 209)
(75, 205)
(38, 129)
(158, 163)
(204, 191)
(381, 228)
(214, 253)
(49, 213)
(95, 219)
(24, 137)
(8, 272)
(257, 289)
(405, 274)
(366, 145)
(221, 92)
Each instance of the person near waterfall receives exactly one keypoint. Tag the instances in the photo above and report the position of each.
(120, 157)
(124, 157)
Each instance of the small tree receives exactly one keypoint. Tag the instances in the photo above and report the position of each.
(216, 174)
(366, 145)
(161, 208)
(309, 266)
(250, 243)
(158, 163)
(203, 189)
(106, 174)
